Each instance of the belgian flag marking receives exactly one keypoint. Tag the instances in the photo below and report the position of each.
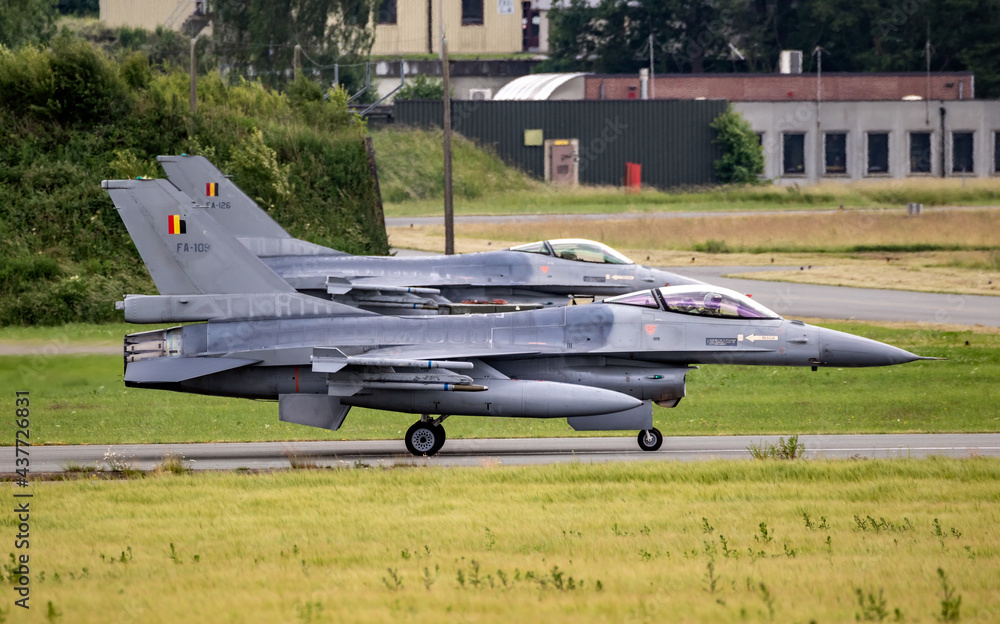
(212, 189)
(177, 225)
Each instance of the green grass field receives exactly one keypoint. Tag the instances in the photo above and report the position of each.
(721, 541)
(80, 399)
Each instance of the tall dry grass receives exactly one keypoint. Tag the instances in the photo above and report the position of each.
(841, 231)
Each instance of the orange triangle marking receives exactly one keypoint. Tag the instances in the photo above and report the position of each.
(545, 269)
(650, 329)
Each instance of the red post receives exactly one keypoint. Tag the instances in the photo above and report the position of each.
(633, 177)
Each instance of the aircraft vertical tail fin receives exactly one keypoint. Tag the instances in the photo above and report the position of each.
(186, 251)
(233, 209)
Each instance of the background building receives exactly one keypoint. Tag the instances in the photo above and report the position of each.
(182, 15)
(860, 140)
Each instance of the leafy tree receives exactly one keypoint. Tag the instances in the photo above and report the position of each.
(26, 21)
(742, 155)
(613, 36)
(421, 88)
(257, 38)
(855, 35)
(589, 38)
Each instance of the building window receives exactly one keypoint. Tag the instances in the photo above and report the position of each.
(920, 152)
(835, 153)
(794, 154)
(878, 152)
(387, 12)
(961, 152)
(472, 12)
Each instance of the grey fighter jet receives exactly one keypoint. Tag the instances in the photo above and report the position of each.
(599, 365)
(545, 273)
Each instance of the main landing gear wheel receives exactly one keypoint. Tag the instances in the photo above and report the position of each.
(650, 439)
(424, 438)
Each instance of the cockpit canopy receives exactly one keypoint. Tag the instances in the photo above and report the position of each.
(575, 249)
(709, 301)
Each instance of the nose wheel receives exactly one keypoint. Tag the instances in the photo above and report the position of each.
(425, 437)
(650, 439)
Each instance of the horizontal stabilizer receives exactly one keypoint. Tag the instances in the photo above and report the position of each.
(177, 369)
(194, 308)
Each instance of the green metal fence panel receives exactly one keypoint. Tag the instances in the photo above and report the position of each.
(671, 139)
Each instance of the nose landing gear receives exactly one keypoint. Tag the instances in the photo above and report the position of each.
(650, 439)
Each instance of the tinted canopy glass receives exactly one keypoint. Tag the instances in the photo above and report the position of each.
(576, 249)
(718, 303)
(539, 248)
(697, 301)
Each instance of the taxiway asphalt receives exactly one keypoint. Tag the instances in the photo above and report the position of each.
(521, 451)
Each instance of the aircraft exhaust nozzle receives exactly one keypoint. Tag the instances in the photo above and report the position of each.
(845, 350)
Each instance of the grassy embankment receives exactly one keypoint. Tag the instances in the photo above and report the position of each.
(718, 541)
(80, 399)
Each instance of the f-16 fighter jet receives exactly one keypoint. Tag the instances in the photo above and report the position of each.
(599, 365)
(544, 273)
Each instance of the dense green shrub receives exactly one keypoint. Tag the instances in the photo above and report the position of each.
(421, 88)
(742, 155)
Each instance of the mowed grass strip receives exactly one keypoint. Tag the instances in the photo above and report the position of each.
(481, 190)
(79, 399)
(718, 541)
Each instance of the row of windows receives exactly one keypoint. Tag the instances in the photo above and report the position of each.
(877, 153)
(472, 12)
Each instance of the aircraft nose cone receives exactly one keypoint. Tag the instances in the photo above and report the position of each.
(840, 349)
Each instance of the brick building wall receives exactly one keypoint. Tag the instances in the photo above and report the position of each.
(785, 87)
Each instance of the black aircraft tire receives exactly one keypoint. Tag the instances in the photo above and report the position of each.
(439, 438)
(657, 440)
(422, 439)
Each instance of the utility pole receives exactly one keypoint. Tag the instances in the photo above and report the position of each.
(819, 108)
(298, 61)
(449, 210)
(927, 99)
(652, 79)
(194, 76)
